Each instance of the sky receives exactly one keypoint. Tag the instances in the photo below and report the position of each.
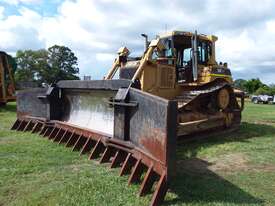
(95, 29)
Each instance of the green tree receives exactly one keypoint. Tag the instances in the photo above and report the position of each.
(272, 89)
(25, 65)
(42, 68)
(49, 66)
(264, 90)
(239, 83)
(253, 85)
(63, 63)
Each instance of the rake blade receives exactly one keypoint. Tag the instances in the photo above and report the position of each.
(132, 162)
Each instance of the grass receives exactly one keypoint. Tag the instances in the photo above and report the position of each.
(229, 169)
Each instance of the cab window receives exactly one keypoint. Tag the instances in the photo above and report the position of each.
(204, 52)
(165, 56)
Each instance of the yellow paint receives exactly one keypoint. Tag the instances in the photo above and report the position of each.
(159, 78)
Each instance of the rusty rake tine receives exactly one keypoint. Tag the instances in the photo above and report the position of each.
(126, 167)
(35, 127)
(160, 191)
(76, 143)
(117, 159)
(63, 136)
(108, 152)
(147, 182)
(136, 172)
(96, 150)
(56, 135)
(27, 126)
(85, 147)
(19, 126)
(69, 139)
(47, 130)
(52, 134)
(15, 125)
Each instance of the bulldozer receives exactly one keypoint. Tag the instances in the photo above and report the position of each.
(7, 86)
(135, 115)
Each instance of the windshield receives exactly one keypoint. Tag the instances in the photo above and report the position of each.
(168, 51)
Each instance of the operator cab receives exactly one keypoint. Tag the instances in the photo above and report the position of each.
(180, 48)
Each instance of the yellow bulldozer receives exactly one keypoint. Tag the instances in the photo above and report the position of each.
(7, 86)
(135, 115)
(181, 66)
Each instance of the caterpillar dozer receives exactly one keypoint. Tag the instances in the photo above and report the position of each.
(7, 86)
(133, 117)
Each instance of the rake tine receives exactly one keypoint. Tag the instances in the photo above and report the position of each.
(127, 165)
(87, 146)
(56, 135)
(20, 125)
(52, 133)
(43, 130)
(73, 140)
(136, 172)
(108, 153)
(15, 125)
(59, 136)
(147, 182)
(48, 131)
(27, 126)
(69, 140)
(23, 125)
(63, 137)
(37, 128)
(118, 159)
(76, 143)
(160, 191)
(83, 141)
(97, 150)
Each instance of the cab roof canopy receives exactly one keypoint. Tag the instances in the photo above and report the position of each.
(180, 34)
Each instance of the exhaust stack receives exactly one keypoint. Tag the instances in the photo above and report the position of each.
(146, 44)
(195, 56)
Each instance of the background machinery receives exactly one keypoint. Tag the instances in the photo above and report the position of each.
(174, 90)
(265, 99)
(7, 86)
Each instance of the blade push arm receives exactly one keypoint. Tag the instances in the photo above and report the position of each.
(147, 56)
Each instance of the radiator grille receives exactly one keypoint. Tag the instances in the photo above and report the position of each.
(167, 77)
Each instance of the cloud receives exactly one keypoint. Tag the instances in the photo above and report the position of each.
(16, 2)
(20, 31)
(95, 29)
(104, 56)
(2, 12)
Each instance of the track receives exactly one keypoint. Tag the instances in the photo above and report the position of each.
(190, 96)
